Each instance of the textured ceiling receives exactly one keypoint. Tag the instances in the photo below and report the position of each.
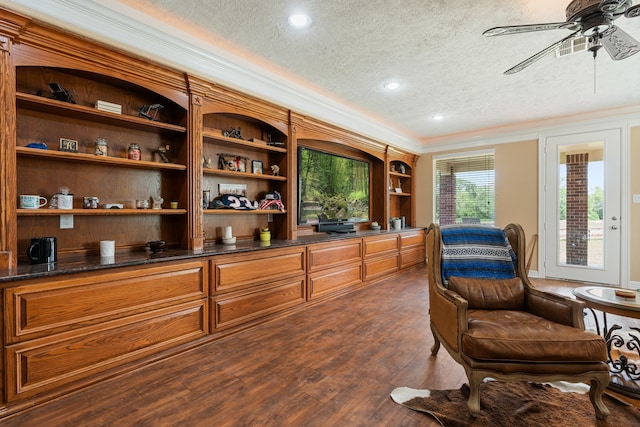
(435, 47)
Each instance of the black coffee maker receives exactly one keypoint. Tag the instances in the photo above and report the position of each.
(43, 250)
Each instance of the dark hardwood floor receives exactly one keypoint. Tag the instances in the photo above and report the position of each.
(333, 364)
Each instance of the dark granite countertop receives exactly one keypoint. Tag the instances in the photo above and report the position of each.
(145, 257)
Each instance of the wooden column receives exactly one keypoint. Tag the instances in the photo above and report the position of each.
(194, 166)
(8, 196)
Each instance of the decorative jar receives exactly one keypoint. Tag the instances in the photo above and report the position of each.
(102, 147)
(134, 152)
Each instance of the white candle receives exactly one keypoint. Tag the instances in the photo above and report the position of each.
(227, 232)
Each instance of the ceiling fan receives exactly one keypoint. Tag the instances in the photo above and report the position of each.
(589, 19)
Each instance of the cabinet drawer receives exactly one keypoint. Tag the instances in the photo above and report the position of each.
(73, 301)
(412, 256)
(327, 255)
(412, 239)
(380, 244)
(380, 266)
(243, 271)
(234, 310)
(47, 363)
(327, 281)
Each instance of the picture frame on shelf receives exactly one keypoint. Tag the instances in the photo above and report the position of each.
(232, 162)
(257, 167)
(235, 189)
(68, 145)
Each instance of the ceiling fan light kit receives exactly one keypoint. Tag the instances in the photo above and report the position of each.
(589, 19)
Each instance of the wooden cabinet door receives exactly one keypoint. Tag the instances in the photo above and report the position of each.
(45, 364)
(332, 254)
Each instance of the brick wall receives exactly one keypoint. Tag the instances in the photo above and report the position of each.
(447, 199)
(577, 208)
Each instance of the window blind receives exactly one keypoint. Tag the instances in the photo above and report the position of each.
(464, 189)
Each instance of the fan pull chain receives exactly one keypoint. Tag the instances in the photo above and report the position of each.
(594, 74)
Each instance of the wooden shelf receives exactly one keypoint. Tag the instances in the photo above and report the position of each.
(242, 212)
(216, 135)
(393, 193)
(54, 106)
(244, 175)
(399, 175)
(105, 160)
(99, 212)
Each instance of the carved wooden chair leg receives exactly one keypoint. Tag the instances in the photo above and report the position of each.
(475, 379)
(595, 394)
(436, 343)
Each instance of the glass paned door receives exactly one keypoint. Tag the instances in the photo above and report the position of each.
(583, 207)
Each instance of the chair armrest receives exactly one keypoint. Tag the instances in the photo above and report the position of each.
(448, 314)
(554, 307)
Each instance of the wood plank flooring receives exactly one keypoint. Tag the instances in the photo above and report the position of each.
(333, 364)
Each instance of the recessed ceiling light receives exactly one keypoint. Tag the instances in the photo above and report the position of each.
(393, 85)
(299, 20)
(437, 117)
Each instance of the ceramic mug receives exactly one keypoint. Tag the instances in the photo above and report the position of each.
(28, 201)
(43, 250)
(65, 201)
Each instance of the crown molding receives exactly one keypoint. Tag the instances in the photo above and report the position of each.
(532, 130)
(115, 24)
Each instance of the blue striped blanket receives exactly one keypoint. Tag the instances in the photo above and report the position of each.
(476, 251)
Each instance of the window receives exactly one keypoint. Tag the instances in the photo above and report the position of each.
(464, 188)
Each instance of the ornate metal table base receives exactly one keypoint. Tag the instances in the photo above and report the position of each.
(625, 373)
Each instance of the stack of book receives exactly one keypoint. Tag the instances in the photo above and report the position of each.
(108, 106)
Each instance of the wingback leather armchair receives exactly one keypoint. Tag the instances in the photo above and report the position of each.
(508, 330)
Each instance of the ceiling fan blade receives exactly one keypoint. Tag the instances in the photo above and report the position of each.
(524, 64)
(517, 29)
(619, 45)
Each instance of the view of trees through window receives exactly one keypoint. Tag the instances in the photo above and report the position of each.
(465, 189)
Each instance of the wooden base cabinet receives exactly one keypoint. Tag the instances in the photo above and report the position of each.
(248, 287)
(66, 331)
(412, 248)
(381, 256)
(333, 267)
(73, 327)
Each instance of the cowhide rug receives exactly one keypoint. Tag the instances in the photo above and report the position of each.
(515, 404)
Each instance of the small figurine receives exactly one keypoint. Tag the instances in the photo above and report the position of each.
(60, 93)
(275, 170)
(162, 152)
(157, 203)
(150, 111)
(206, 162)
(234, 133)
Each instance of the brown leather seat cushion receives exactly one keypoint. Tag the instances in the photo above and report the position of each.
(510, 335)
(490, 294)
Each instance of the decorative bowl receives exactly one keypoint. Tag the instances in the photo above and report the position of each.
(228, 240)
(157, 245)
